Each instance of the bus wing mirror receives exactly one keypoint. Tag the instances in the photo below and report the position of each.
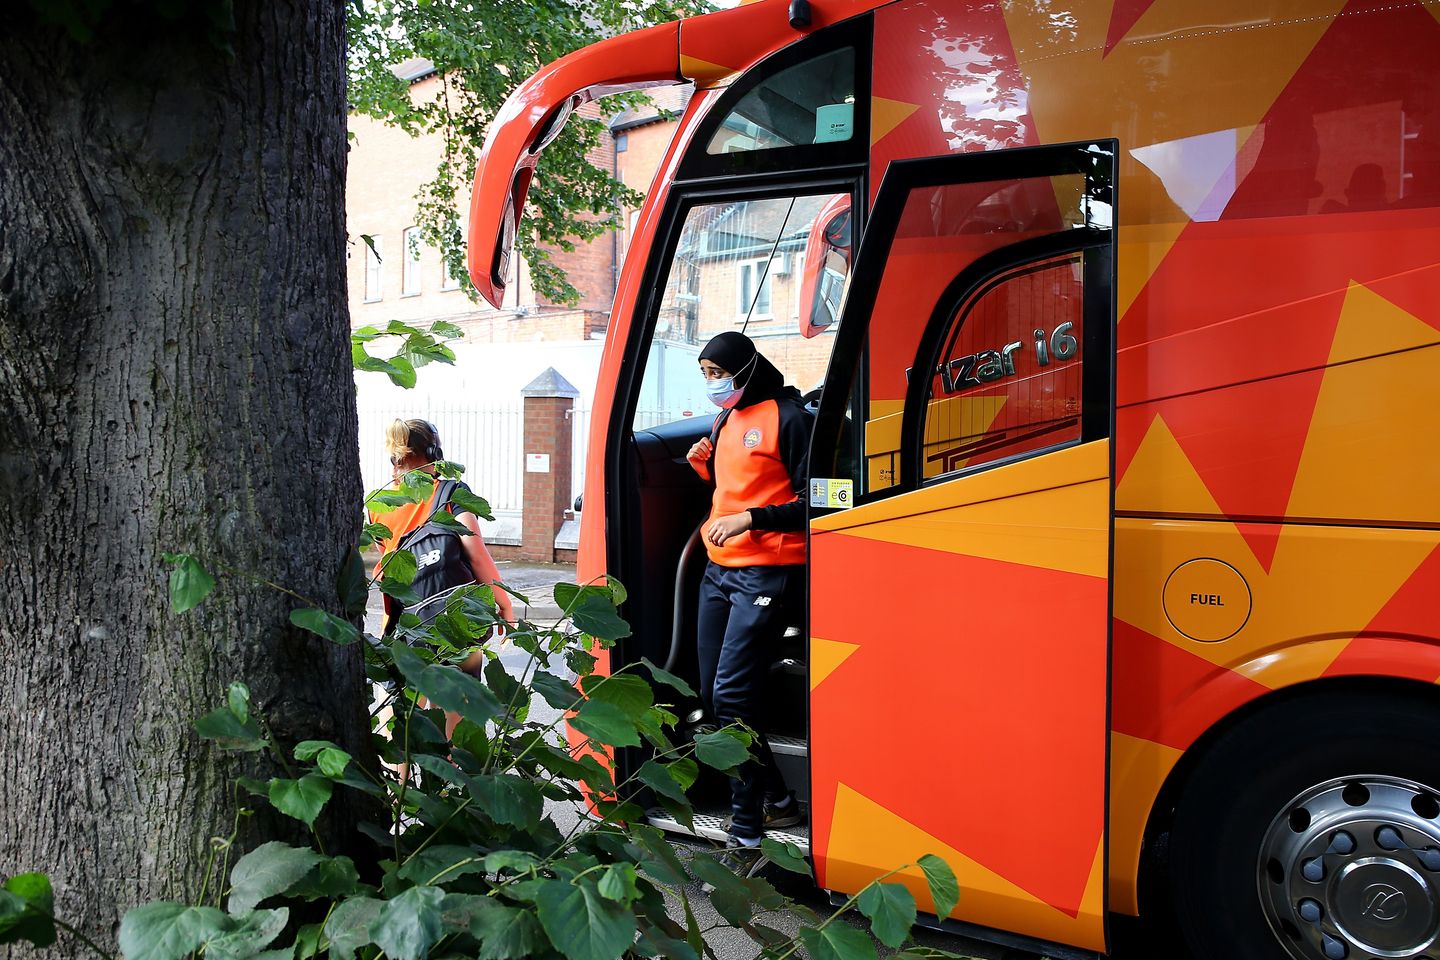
(827, 264)
(531, 118)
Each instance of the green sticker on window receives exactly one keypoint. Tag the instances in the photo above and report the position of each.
(834, 122)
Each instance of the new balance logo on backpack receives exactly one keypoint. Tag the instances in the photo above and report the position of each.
(423, 560)
(762, 601)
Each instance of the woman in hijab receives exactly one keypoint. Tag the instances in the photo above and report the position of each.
(757, 456)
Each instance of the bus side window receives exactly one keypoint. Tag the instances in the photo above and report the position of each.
(1008, 381)
(977, 410)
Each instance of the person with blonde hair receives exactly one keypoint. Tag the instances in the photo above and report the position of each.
(415, 445)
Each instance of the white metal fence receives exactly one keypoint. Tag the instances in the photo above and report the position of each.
(488, 440)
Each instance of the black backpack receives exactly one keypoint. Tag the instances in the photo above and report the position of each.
(441, 564)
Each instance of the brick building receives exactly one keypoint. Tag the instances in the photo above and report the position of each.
(480, 405)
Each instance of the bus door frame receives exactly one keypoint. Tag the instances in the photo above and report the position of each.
(849, 366)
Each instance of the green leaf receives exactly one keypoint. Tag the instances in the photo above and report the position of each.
(721, 749)
(248, 935)
(517, 861)
(785, 855)
(596, 616)
(399, 567)
(352, 585)
(685, 772)
(657, 777)
(944, 889)
(230, 732)
(190, 583)
(168, 931)
(605, 723)
(508, 799)
(302, 799)
(269, 869)
(565, 593)
(401, 372)
(891, 909)
(333, 761)
(630, 693)
(27, 907)
(408, 926)
(448, 331)
(507, 933)
(473, 738)
(373, 532)
(669, 679)
(504, 686)
(560, 694)
(582, 924)
(324, 624)
(332, 878)
(617, 883)
(663, 864)
(237, 698)
(442, 863)
(310, 749)
(837, 942)
(652, 723)
(402, 592)
(466, 502)
(707, 869)
(447, 687)
(447, 520)
(693, 934)
(348, 928)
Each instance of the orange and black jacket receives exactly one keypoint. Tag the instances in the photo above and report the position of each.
(760, 464)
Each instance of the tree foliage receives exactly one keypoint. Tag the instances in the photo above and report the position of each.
(481, 52)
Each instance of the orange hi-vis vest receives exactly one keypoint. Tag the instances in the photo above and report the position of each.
(749, 472)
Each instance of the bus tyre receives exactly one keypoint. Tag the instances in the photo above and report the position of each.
(1311, 831)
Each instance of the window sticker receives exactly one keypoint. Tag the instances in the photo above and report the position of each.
(834, 122)
(832, 493)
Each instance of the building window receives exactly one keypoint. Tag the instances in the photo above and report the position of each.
(622, 143)
(410, 266)
(449, 280)
(372, 269)
(750, 274)
(797, 282)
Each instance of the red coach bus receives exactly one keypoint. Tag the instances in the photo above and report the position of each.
(1128, 603)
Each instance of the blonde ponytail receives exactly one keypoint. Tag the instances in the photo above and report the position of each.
(411, 438)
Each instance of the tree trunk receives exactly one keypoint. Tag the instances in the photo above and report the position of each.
(174, 377)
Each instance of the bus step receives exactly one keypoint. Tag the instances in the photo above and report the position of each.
(787, 746)
(711, 827)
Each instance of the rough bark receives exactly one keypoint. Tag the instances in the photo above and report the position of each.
(174, 376)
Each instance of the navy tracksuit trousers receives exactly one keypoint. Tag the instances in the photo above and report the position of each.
(743, 615)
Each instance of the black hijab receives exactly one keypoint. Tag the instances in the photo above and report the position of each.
(736, 354)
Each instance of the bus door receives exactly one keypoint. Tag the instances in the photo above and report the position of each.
(960, 543)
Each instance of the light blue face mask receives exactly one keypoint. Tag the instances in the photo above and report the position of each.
(723, 392)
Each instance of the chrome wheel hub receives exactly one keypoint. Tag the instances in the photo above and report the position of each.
(1350, 870)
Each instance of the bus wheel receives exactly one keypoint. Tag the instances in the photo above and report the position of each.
(1311, 831)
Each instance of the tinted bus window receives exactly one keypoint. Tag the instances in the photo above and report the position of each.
(738, 265)
(810, 103)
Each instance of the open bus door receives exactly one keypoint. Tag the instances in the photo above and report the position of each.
(960, 543)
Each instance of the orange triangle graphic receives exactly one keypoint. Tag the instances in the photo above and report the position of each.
(886, 115)
(825, 656)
